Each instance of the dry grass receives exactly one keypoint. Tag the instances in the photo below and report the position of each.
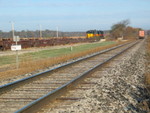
(147, 74)
(30, 66)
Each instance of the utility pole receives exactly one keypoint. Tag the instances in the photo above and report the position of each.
(57, 32)
(12, 27)
(40, 31)
(16, 40)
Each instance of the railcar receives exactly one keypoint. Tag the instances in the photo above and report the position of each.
(91, 36)
(5, 44)
(141, 34)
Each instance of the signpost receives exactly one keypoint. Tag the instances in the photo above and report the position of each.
(15, 47)
(16, 38)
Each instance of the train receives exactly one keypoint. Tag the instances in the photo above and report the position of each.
(141, 34)
(91, 36)
(5, 44)
(95, 33)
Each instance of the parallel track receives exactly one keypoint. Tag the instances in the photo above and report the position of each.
(28, 93)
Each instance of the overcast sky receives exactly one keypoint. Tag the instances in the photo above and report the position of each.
(72, 15)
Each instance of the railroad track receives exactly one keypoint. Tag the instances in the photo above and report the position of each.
(28, 94)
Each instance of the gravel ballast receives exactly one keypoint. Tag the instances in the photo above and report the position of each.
(120, 90)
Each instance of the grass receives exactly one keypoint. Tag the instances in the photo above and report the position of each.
(7, 60)
(51, 53)
(38, 60)
(66, 51)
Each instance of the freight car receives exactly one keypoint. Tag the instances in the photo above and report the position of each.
(141, 34)
(95, 34)
(91, 36)
(5, 44)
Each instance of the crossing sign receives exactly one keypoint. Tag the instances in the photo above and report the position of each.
(16, 38)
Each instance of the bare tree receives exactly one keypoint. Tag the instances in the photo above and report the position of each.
(118, 30)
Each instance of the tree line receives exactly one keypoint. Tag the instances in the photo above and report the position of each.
(123, 30)
(118, 30)
(45, 33)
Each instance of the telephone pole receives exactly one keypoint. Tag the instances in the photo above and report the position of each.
(40, 31)
(57, 32)
(12, 27)
(16, 40)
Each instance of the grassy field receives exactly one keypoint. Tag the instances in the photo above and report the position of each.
(51, 53)
(30, 62)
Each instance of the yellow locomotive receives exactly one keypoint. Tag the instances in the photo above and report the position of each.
(94, 34)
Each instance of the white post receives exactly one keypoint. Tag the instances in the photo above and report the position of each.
(71, 48)
(17, 59)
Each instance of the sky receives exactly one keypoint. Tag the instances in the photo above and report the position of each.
(72, 15)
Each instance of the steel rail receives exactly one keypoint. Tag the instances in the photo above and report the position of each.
(20, 82)
(37, 104)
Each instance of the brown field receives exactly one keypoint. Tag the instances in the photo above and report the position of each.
(147, 65)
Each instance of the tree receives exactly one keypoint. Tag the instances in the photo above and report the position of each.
(118, 30)
(131, 33)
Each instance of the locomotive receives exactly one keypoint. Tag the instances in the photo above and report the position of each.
(141, 34)
(95, 33)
